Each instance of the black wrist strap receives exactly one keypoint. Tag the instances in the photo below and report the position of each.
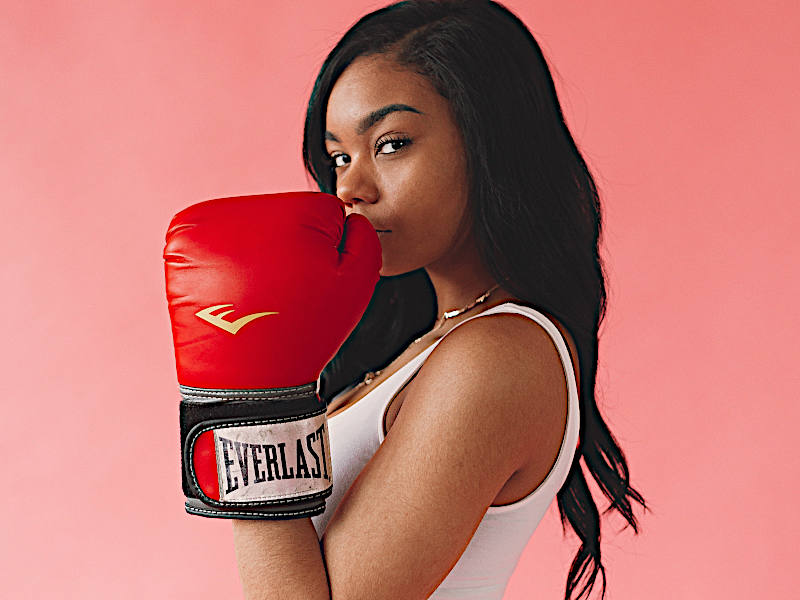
(267, 449)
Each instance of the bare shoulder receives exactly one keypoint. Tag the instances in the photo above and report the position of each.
(503, 373)
(503, 346)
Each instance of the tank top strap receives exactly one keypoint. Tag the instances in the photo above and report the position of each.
(511, 307)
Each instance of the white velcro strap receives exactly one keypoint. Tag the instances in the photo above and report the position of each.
(273, 461)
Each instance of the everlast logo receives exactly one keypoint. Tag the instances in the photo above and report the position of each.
(267, 462)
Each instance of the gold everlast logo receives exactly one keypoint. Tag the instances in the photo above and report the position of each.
(266, 462)
(230, 326)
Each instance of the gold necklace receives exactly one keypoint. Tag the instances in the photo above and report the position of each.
(447, 315)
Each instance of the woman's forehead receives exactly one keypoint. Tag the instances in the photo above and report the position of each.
(369, 84)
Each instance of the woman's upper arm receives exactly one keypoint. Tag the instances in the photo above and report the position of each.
(465, 427)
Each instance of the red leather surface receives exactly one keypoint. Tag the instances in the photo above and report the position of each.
(205, 464)
(267, 253)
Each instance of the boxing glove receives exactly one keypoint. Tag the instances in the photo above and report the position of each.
(262, 291)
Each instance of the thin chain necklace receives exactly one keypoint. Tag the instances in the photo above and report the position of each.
(447, 315)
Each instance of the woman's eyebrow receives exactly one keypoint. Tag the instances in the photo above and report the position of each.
(375, 117)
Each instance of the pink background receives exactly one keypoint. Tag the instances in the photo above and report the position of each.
(115, 115)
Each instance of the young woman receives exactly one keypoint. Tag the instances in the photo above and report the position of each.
(463, 401)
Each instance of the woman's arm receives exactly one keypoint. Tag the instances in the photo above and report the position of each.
(470, 419)
(280, 560)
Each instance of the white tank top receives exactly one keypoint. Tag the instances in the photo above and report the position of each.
(486, 565)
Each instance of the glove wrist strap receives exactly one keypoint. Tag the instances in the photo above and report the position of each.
(255, 452)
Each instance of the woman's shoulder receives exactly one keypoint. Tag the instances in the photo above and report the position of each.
(534, 328)
(497, 373)
(500, 347)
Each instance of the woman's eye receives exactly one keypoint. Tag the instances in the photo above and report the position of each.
(403, 142)
(333, 158)
(392, 141)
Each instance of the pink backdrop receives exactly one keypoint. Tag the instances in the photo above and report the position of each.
(114, 115)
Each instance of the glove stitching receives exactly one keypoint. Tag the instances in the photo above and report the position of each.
(235, 396)
(200, 394)
(236, 512)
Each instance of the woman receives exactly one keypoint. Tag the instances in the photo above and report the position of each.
(439, 122)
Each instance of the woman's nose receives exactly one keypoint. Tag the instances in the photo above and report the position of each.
(355, 186)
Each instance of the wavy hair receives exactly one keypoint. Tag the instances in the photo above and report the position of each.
(536, 217)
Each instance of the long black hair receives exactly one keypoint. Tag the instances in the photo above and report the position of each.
(536, 217)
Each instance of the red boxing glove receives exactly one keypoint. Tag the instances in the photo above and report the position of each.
(262, 292)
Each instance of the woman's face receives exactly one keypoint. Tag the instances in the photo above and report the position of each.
(405, 172)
